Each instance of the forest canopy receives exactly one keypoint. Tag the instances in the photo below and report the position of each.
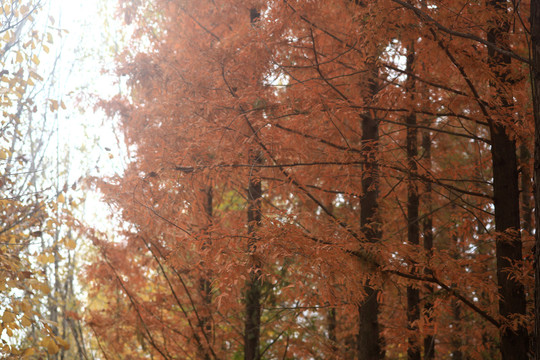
(317, 180)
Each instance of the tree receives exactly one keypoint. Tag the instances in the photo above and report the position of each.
(535, 87)
(32, 205)
(308, 120)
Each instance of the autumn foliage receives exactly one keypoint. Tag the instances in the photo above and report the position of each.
(298, 166)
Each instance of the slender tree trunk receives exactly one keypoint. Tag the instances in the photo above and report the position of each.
(254, 284)
(535, 75)
(369, 342)
(514, 343)
(526, 189)
(429, 339)
(332, 325)
(252, 325)
(331, 320)
(205, 288)
(413, 226)
(457, 334)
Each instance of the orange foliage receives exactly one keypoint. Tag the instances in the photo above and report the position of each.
(208, 87)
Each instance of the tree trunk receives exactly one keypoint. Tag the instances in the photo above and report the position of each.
(252, 325)
(526, 189)
(332, 324)
(413, 204)
(205, 288)
(514, 342)
(369, 343)
(254, 285)
(429, 339)
(457, 334)
(535, 72)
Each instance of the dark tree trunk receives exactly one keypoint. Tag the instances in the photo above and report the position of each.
(457, 334)
(526, 189)
(369, 342)
(332, 324)
(413, 226)
(514, 343)
(429, 339)
(331, 315)
(535, 72)
(205, 288)
(253, 294)
(253, 291)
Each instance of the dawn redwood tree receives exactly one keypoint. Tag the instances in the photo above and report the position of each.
(512, 302)
(413, 207)
(427, 229)
(310, 108)
(252, 327)
(496, 111)
(535, 90)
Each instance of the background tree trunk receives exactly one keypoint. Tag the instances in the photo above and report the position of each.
(429, 339)
(252, 327)
(514, 344)
(369, 342)
(535, 74)
(413, 204)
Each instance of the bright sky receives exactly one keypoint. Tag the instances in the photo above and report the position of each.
(84, 132)
(88, 47)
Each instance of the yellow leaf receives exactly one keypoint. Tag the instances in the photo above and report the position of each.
(54, 105)
(49, 38)
(26, 307)
(3, 154)
(42, 259)
(35, 60)
(8, 317)
(29, 352)
(44, 289)
(71, 244)
(62, 105)
(52, 348)
(45, 48)
(62, 343)
(26, 322)
(19, 57)
(35, 75)
(61, 199)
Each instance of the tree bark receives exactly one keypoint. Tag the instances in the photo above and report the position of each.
(332, 324)
(413, 204)
(514, 342)
(526, 189)
(252, 325)
(429, 339)
(254, 285)
(457, 334)
(205, 288)
(369, 342)
(535, 81)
